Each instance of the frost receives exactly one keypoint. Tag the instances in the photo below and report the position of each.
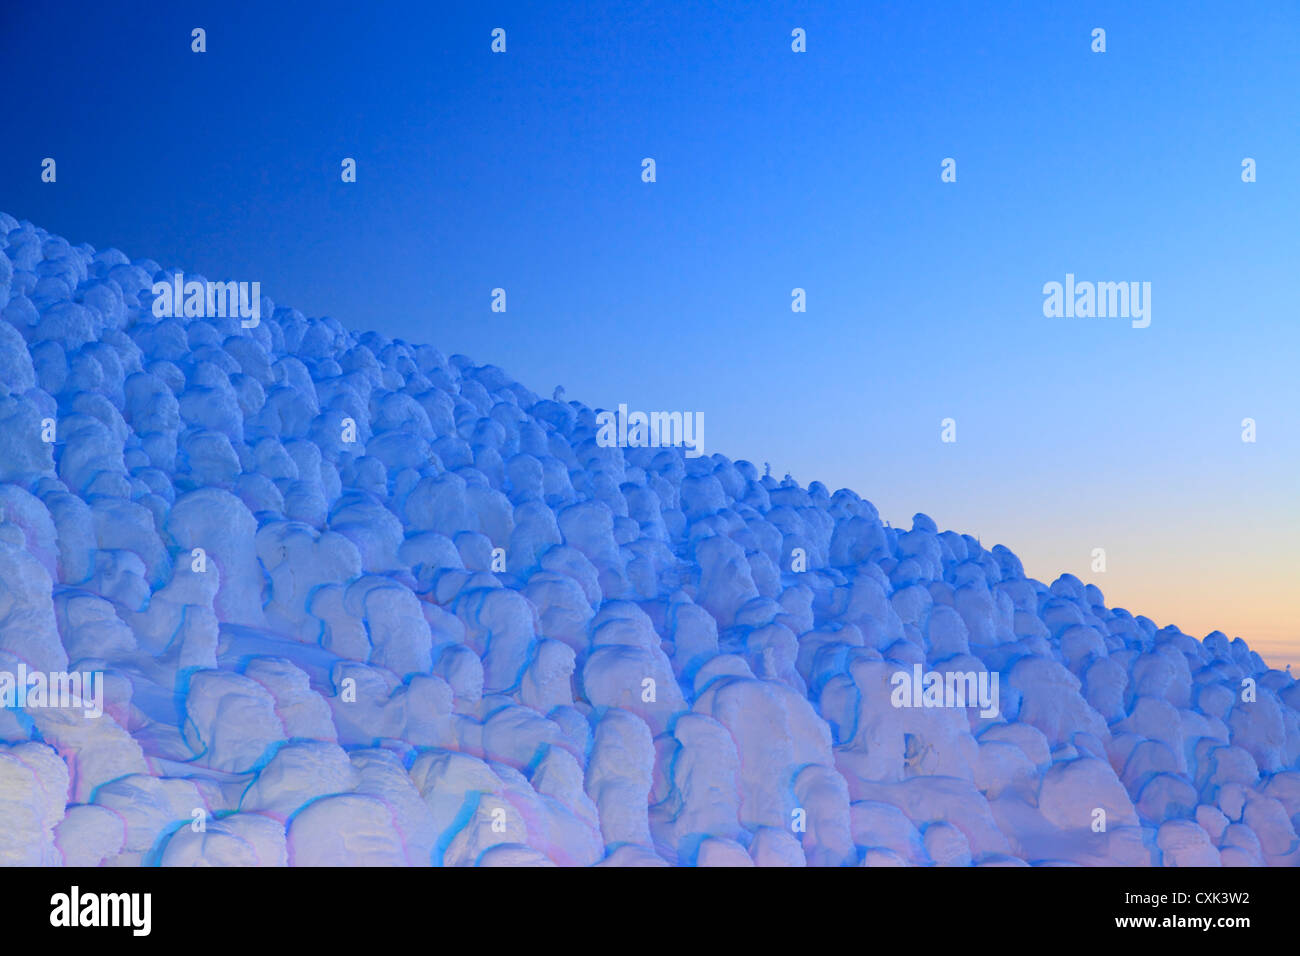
(356, 602)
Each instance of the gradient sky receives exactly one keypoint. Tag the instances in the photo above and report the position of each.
(775, 170)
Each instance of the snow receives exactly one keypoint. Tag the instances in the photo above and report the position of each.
(356, 602)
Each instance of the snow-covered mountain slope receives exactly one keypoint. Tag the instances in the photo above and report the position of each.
(349, 601)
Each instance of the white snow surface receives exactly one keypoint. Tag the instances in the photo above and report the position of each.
(343, 679)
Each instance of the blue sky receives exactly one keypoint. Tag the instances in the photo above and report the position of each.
(775, 170)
